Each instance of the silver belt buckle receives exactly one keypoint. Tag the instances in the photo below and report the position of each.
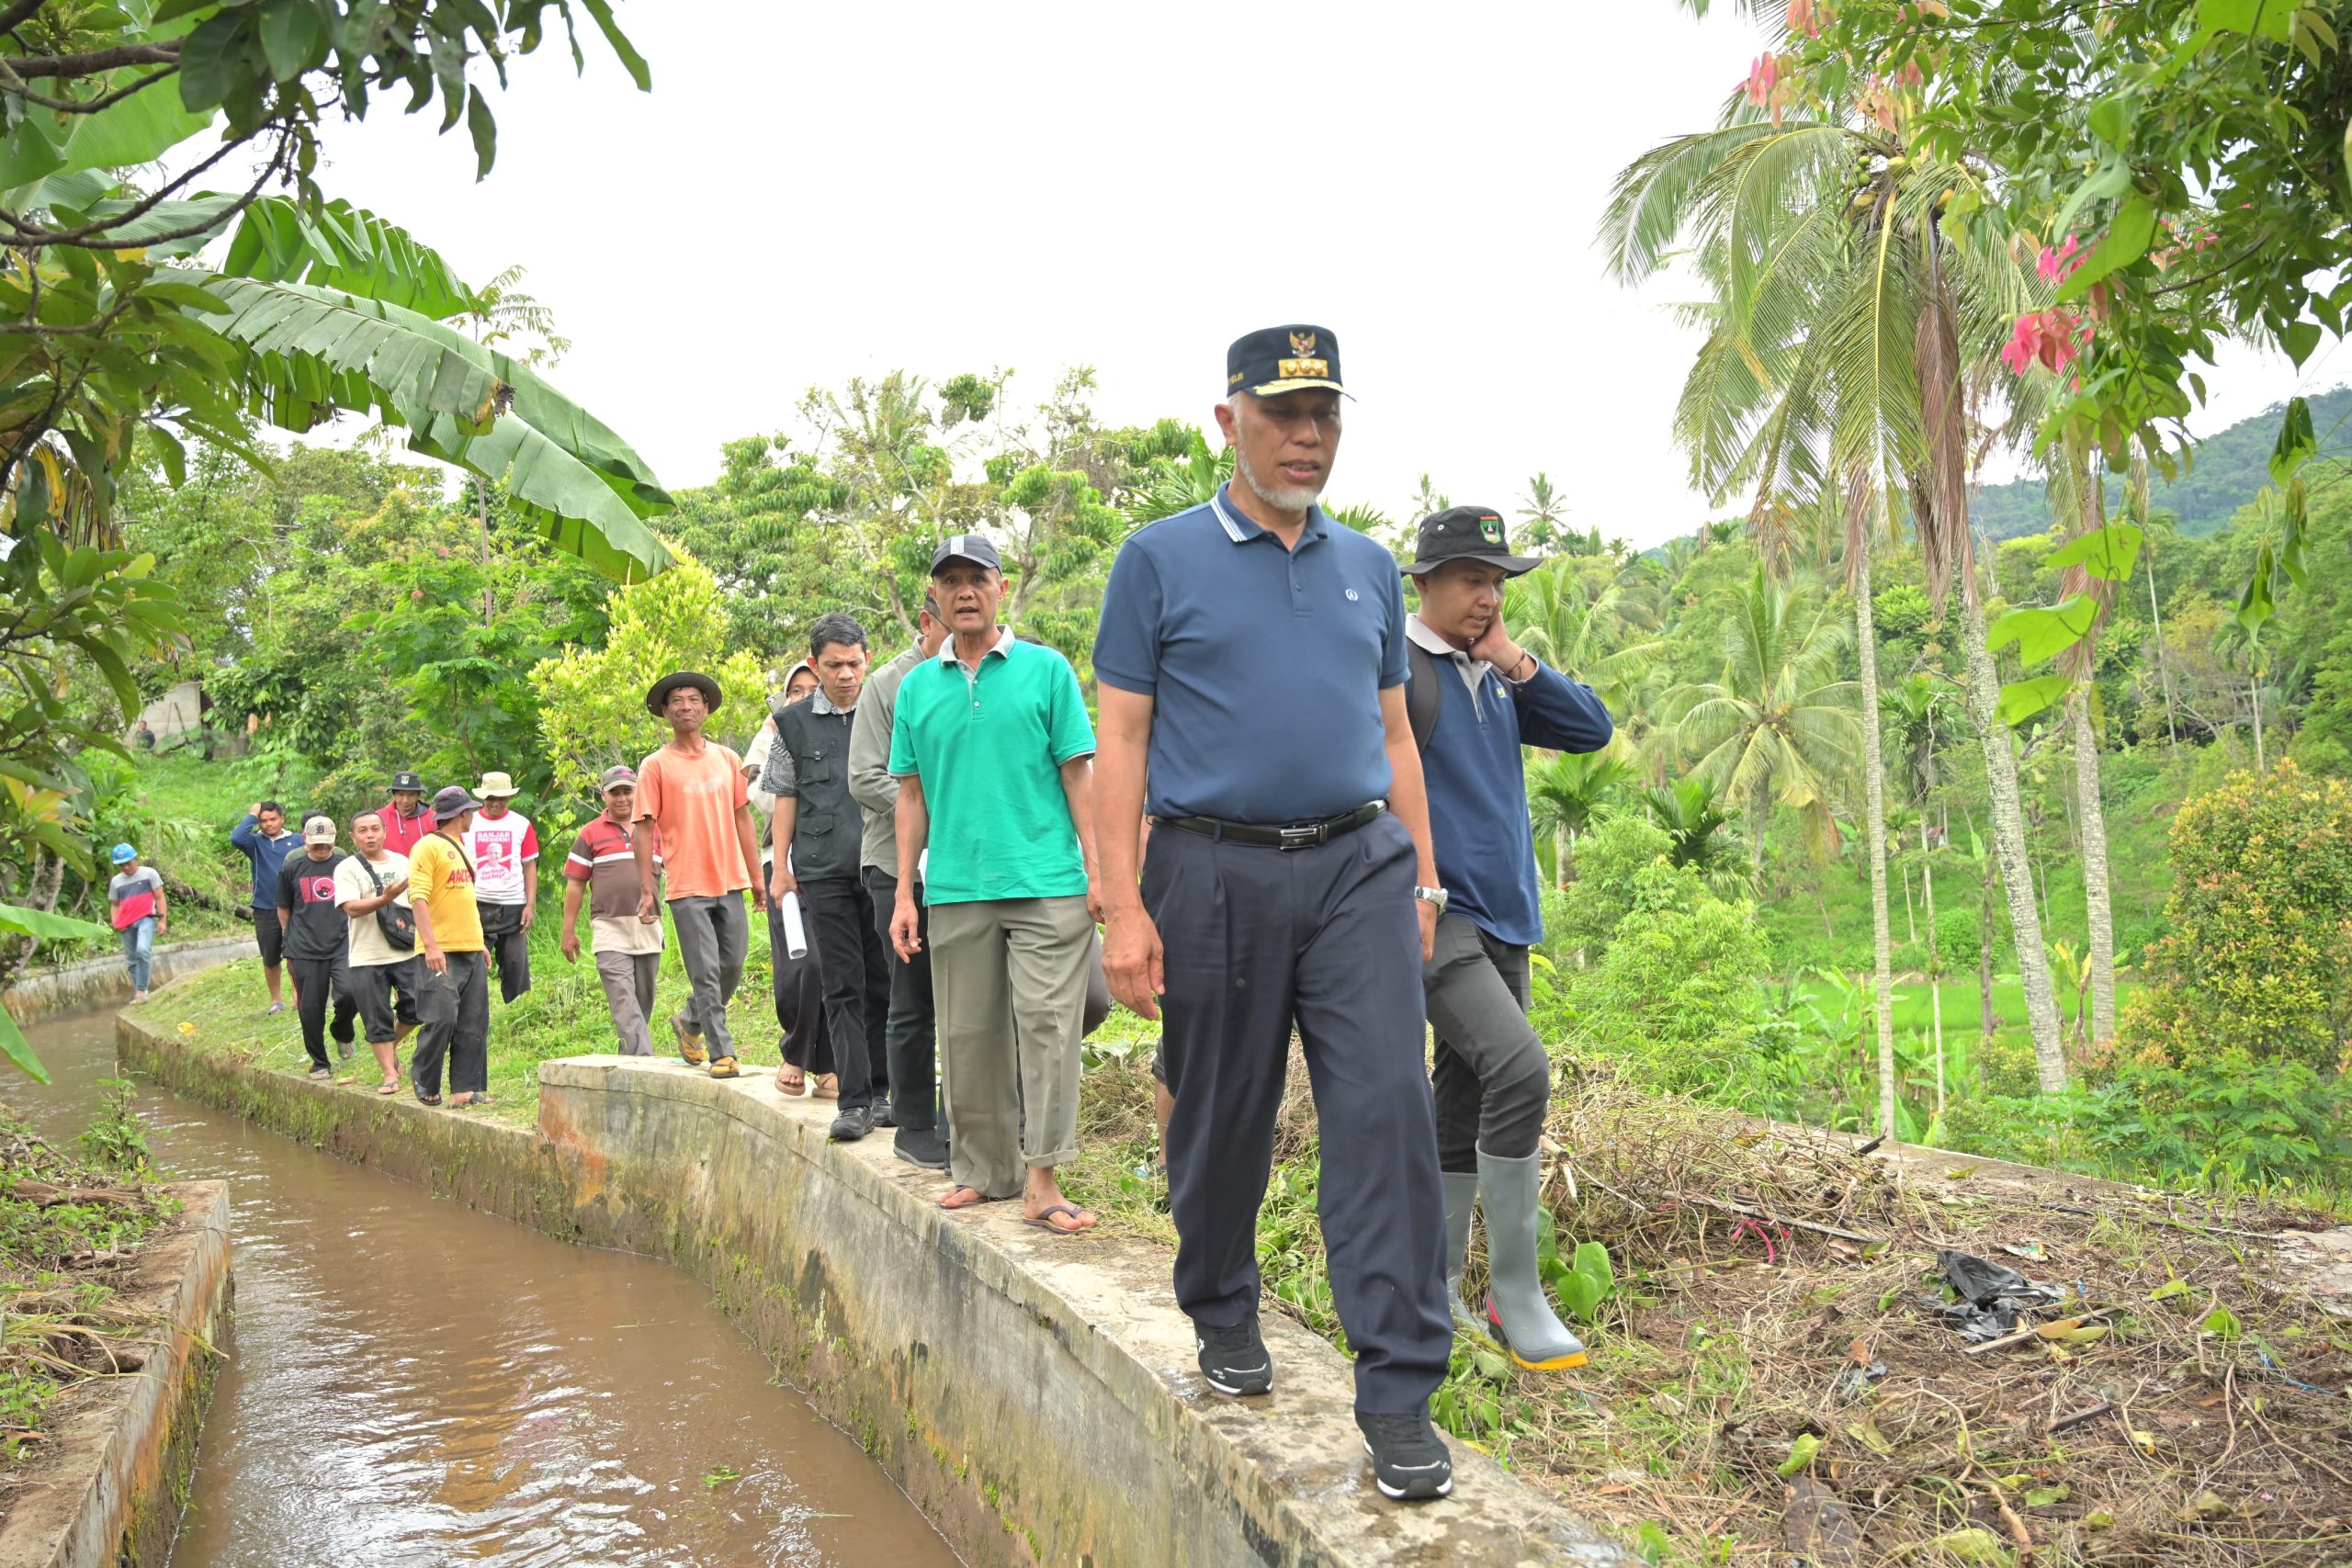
(1304, 835)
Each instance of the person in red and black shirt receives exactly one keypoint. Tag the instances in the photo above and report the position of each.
(317, 939)
(627, 942)
(406, 821)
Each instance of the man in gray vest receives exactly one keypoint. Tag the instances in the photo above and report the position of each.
(808, 773)
(914, 1093)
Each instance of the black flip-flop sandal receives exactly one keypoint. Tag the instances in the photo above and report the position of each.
(425, 1098)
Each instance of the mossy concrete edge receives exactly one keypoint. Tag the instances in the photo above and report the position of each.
(85, 983)
(116, 1479)
(1033, 1394)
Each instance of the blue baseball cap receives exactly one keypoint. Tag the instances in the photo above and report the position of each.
(124, 854)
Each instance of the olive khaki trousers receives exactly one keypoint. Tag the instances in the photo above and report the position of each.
(1009, 986)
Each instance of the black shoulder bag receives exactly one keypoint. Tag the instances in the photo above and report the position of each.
(398, 925)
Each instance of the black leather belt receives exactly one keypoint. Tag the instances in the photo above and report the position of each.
(1289, 836)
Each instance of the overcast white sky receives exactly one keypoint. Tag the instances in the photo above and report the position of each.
(815, 192)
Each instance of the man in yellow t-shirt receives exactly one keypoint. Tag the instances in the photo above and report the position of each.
(453, 1003)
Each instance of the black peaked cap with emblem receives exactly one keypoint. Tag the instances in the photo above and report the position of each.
(1466, 533)
(1274, 360)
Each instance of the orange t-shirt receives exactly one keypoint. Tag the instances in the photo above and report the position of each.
(693, 801)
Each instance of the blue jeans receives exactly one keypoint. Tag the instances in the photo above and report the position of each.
(139, 950)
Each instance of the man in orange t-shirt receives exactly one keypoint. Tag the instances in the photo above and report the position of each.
(693, 793)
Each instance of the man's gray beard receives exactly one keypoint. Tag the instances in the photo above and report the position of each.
(1292, 498)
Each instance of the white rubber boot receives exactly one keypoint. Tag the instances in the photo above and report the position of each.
(1519, 1312)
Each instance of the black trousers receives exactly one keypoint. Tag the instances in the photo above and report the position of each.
(509, 947)
(799, 987)
(316, 982)
(452, 1009)
(840, 915)
(910, 1043)
(1491, 1075)
(1258, 940)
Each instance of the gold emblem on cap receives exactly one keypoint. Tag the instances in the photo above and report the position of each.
(1302, 343)
(1302, 369)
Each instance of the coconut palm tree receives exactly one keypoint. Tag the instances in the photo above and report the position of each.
(1593, 622)
(2078, 493)
(1692, 811)
(1833, 378)
(1566, 790)
(1778, 727)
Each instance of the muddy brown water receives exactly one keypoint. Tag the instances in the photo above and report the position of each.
(416, 1382)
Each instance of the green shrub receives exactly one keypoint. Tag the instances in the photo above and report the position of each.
(1608, 860)
(1675, 991)
(2257, 960)
(1959, 936)
(2228, 1118)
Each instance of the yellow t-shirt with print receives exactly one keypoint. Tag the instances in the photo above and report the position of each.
(441, 883)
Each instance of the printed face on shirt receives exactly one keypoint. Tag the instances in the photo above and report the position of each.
(313, 887)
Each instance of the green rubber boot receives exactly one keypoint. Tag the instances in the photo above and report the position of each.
(1461, 1199)
(1517, 1312)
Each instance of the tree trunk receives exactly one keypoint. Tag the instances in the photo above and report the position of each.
(489, 594)
(1563, 853)
(2009, 844)
(1988, 1021)
(2097, 892)
(2164, 670)
(2253, 690)
(1910, 914)
(40, 893)
(1874, 832)
(1935, 961)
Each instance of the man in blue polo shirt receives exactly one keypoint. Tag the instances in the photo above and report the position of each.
(1252, 662)
(1475, 696)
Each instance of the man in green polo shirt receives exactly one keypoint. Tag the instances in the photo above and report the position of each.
(994, 755)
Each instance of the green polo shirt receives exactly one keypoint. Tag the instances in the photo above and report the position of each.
(988, 745)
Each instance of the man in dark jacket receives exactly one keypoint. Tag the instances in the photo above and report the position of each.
(317, 941)
(263, 839)
(807, 772)
(1485, 697)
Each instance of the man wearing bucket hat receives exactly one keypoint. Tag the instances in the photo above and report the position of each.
(406, 820)
(692, 792)
(505, 851)
(453, 1002)
(1475, 698)
(1250, 659)
(136, 897)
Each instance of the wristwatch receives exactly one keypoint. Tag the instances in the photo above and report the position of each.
(1432, 896)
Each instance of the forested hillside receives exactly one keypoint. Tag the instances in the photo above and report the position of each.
(2225, 471)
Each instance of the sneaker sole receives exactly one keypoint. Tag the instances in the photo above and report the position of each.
(918, 1164)
(1244, 1390)
(1413, 1492)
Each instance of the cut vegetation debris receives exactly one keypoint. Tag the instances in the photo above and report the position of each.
(1774, 1378)
(69, 1231)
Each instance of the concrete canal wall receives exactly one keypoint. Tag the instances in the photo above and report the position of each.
(109, 1486)
(1035, 1394)
(70, 988)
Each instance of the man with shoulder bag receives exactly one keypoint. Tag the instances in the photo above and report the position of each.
(372, 888)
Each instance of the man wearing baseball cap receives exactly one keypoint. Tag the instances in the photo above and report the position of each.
(453, 1004)
(1475, 698)
(504, 848)
(624, 936)
(317, 938)
(1251, 664)
(994, 758)
(135, 894)
(692, 794)
(406, 821)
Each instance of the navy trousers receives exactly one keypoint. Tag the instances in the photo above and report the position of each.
(1258, 940)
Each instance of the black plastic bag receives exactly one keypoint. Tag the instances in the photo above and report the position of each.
(1992, 1296)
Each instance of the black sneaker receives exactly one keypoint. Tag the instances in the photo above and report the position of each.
(1234, 1360)
(1408, 1462)
(883, 1116)
(853, 1124)
(920, 1145)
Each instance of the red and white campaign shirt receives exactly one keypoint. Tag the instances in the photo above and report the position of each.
(500, 848)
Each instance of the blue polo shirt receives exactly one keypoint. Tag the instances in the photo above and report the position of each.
(1264, 665)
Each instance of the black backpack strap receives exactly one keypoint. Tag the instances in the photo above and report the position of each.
(1420, 694)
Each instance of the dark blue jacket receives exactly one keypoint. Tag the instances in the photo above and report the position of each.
(1478, 789)
(267, 854)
